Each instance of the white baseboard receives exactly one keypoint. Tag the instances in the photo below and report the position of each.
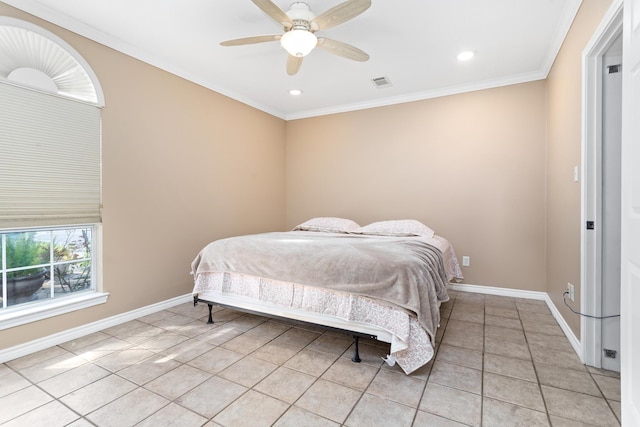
(573, 340)
(518, 293)
(491, 290)
(80, 331)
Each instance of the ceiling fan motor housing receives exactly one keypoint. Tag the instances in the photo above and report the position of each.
(301, 15)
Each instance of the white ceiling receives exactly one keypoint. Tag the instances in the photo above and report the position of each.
(412, 42)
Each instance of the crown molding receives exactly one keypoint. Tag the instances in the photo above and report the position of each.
(420, 96)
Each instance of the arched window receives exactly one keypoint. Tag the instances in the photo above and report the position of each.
(50, 173)
(36, 58)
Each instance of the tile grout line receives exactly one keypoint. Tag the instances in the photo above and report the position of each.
(591, 374)
(289, 405)
(183, 364)
(138, 386)
(210, 420)
(535, 369)
(34, 384)
(432, 361)
(484, 337)
(540, 384)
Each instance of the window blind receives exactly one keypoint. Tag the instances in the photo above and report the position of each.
(49, 159)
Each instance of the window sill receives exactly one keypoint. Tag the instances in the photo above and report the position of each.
(12, 317)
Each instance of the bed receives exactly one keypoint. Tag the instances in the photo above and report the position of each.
(385, 280)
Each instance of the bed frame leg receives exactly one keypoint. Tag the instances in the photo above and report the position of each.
(210, 321)
(356, 354)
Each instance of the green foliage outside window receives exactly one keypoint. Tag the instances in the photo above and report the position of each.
(23, 251)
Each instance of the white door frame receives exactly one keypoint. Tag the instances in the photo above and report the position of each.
(630, 215)
(606, 33)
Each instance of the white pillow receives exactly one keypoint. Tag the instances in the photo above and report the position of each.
(401, 227)
(328, 225)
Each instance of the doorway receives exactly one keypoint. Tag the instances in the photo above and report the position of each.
(601, 197)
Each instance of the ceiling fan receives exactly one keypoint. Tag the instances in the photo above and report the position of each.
(300, 24)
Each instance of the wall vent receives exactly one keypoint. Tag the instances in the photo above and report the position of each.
(381, 82)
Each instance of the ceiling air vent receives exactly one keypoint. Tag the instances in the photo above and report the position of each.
(381, 82)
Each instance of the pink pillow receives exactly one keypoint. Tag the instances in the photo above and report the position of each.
(401, 227)
(328, 225)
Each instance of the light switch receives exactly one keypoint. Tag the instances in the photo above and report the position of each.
(576, 177)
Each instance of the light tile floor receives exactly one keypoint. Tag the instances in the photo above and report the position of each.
(500, 362)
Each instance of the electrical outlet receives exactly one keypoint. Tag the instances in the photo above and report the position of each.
(572, 291)
(466, 261)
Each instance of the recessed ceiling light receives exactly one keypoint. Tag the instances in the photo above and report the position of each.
(466, 55)
(295, 92)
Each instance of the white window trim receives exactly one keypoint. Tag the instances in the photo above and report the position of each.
(40, 311)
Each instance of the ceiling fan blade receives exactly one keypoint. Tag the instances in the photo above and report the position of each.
(339, 14)
(293, 64)
(342, 49)
(251, 40)
(275, 12)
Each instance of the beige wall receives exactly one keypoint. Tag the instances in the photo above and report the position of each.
(180, 168)
(471, 166)
(564, 152)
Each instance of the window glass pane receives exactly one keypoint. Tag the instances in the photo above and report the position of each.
(27, 249)
(72, 277)
(27, 254)
(71, 244)
(72, 260)
(23, 287)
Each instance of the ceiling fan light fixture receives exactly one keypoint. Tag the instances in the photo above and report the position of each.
(298, 42)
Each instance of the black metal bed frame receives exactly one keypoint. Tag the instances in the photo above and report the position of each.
(356, 335)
